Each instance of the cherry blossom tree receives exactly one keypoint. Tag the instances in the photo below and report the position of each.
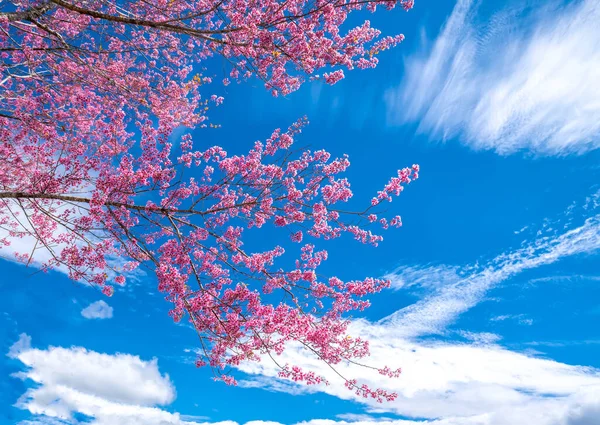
(90, 94)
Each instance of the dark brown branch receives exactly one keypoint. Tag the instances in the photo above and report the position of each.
(150, 24)
(163, 210)
(29, 14)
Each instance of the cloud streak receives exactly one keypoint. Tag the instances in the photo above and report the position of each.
(434, 313)
(521, 81)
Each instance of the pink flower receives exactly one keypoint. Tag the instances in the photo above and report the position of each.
(108, 290)
(333, 77)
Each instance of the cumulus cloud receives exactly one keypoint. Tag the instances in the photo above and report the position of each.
(366, 420)
(524, 79)
(97, 310)
(120, 378)
(360, 417)
(112, 389)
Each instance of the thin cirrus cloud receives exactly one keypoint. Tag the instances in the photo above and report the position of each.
(521, 319)
(507, 85)
(429, 277)
(97, 310)
(467, 287)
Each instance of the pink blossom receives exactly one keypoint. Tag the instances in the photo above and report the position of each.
(94, 166)
(333, 77)
(108, 290)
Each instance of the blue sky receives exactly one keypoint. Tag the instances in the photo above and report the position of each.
(496, 275)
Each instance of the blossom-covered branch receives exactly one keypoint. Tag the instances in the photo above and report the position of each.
(90, 95)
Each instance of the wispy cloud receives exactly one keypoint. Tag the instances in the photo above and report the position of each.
(521, 319)
(430, 276)
(434, 313)
(523, 80)
(40, 255)
(592, 201)
(97, 310)
(485, 338)
(279, 386)
(572, 278)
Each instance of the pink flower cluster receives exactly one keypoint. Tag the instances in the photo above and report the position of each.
(90, 169)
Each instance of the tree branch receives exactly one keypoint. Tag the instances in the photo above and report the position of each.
(26, 15)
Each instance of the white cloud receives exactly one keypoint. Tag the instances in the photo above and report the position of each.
(485, 338)
(524, 80)
(22, 344)
(43, 420)
(593, 201)
(434, 313)
(461, 383)
(121, 378)
(280, 386)
(521, 319)
(360, 417)
(97, 310)
(40, 255)
(366, 421)
(521, 230)
(583, 415)
(27, 244)
(430, 276)
(118, 389)
(570, 279)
